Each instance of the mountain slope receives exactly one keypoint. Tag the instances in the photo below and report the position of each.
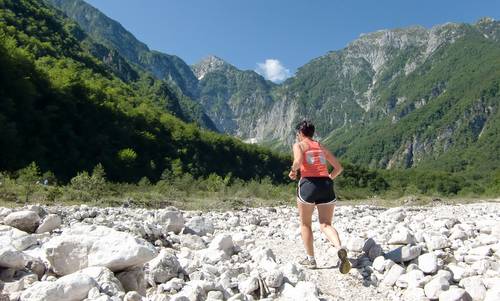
(112, 34)
(63, 108)
(231, 97)
(123, 46)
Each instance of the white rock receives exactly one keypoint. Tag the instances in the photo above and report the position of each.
(303, 291)
(49, 223)
(435, 287)
(437, 242)
(404, 253)
(105, 279)
(427, 263)
(415, 278)
(481, 251)
(73, 287)
(291, 273)
(274, 278)
(170, 220)
(12, 237)
(414, 294)
(455, 294)
(392, 275)
(12, 258)
(402, 236)
(82, 246)
(222, 242)
(457, 271)
(199, 225)
(26, 220)
(355, 244)
(133, 280)
(248, 285)
(475, 287)
(132, 296)
(492, 295)
(163, 267)
(378, 264)
(193, 242)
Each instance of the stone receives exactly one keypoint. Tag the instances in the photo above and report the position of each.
(105, 279)
(427, 263)
(274, 278)
(193, 242)
(170, 220)
(355, 244)
(457, 272)
(12, 237)
(12, 258)
(474, 286)
(378, 264)
(414, 294)
(455, 294)
(223, 242)
(435, 287)
(415, 278)
(370, 242)
(73, 287)
(82, 246)
(215, 296)
(132, 296)
(133, 279)
(292, 274)
(402, 236)
(404, 253)
(481, 251)
(49, 223)
(25, 220)
(304, 290)
(392, 275)
(163, 267)
(200, 226)
(492, 295)
(437, 242)
(248, 285)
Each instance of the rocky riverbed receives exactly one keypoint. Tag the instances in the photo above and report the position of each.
(443, 252)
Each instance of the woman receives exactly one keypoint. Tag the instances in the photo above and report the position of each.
(315, 189)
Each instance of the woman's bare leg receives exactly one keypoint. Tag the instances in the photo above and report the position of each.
(325, 213)
(305, 212)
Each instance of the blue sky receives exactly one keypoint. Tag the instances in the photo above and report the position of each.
(276, 35)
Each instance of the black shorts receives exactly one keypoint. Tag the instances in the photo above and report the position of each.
(316, 191)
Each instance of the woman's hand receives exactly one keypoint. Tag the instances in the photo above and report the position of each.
(292, 175)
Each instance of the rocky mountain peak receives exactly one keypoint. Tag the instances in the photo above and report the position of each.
(208, 64)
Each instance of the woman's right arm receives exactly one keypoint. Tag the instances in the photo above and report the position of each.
(297, 160)
(337, 167)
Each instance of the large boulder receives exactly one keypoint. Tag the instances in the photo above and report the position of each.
(74, 287)
(200, 226)
(84, 246)
(163, 267)
(12, 237)
(49, 223)
(105, 279)
(304, 290)
(25, 220)
(170, 220)
(428, 263)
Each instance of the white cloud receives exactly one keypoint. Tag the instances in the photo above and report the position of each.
(273, 70)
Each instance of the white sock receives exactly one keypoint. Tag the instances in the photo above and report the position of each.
(310, 257)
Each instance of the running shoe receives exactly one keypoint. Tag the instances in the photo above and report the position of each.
(308, 263)
(345, 265)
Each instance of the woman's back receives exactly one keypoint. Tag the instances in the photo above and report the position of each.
(314, 163)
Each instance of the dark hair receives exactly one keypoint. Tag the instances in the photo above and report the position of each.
(306, 128)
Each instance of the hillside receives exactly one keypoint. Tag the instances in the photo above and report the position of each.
(67, 110)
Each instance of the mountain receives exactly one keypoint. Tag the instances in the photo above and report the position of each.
(232, 97)
(394, 98)
(122, 45)
(404, 98)
(67, 109)
(112, 34)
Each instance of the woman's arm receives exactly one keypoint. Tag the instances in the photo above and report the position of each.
(337, 167)
(297, 160)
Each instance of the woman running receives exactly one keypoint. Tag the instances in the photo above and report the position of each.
(315, 189)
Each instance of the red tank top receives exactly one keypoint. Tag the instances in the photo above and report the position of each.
(314, 161)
